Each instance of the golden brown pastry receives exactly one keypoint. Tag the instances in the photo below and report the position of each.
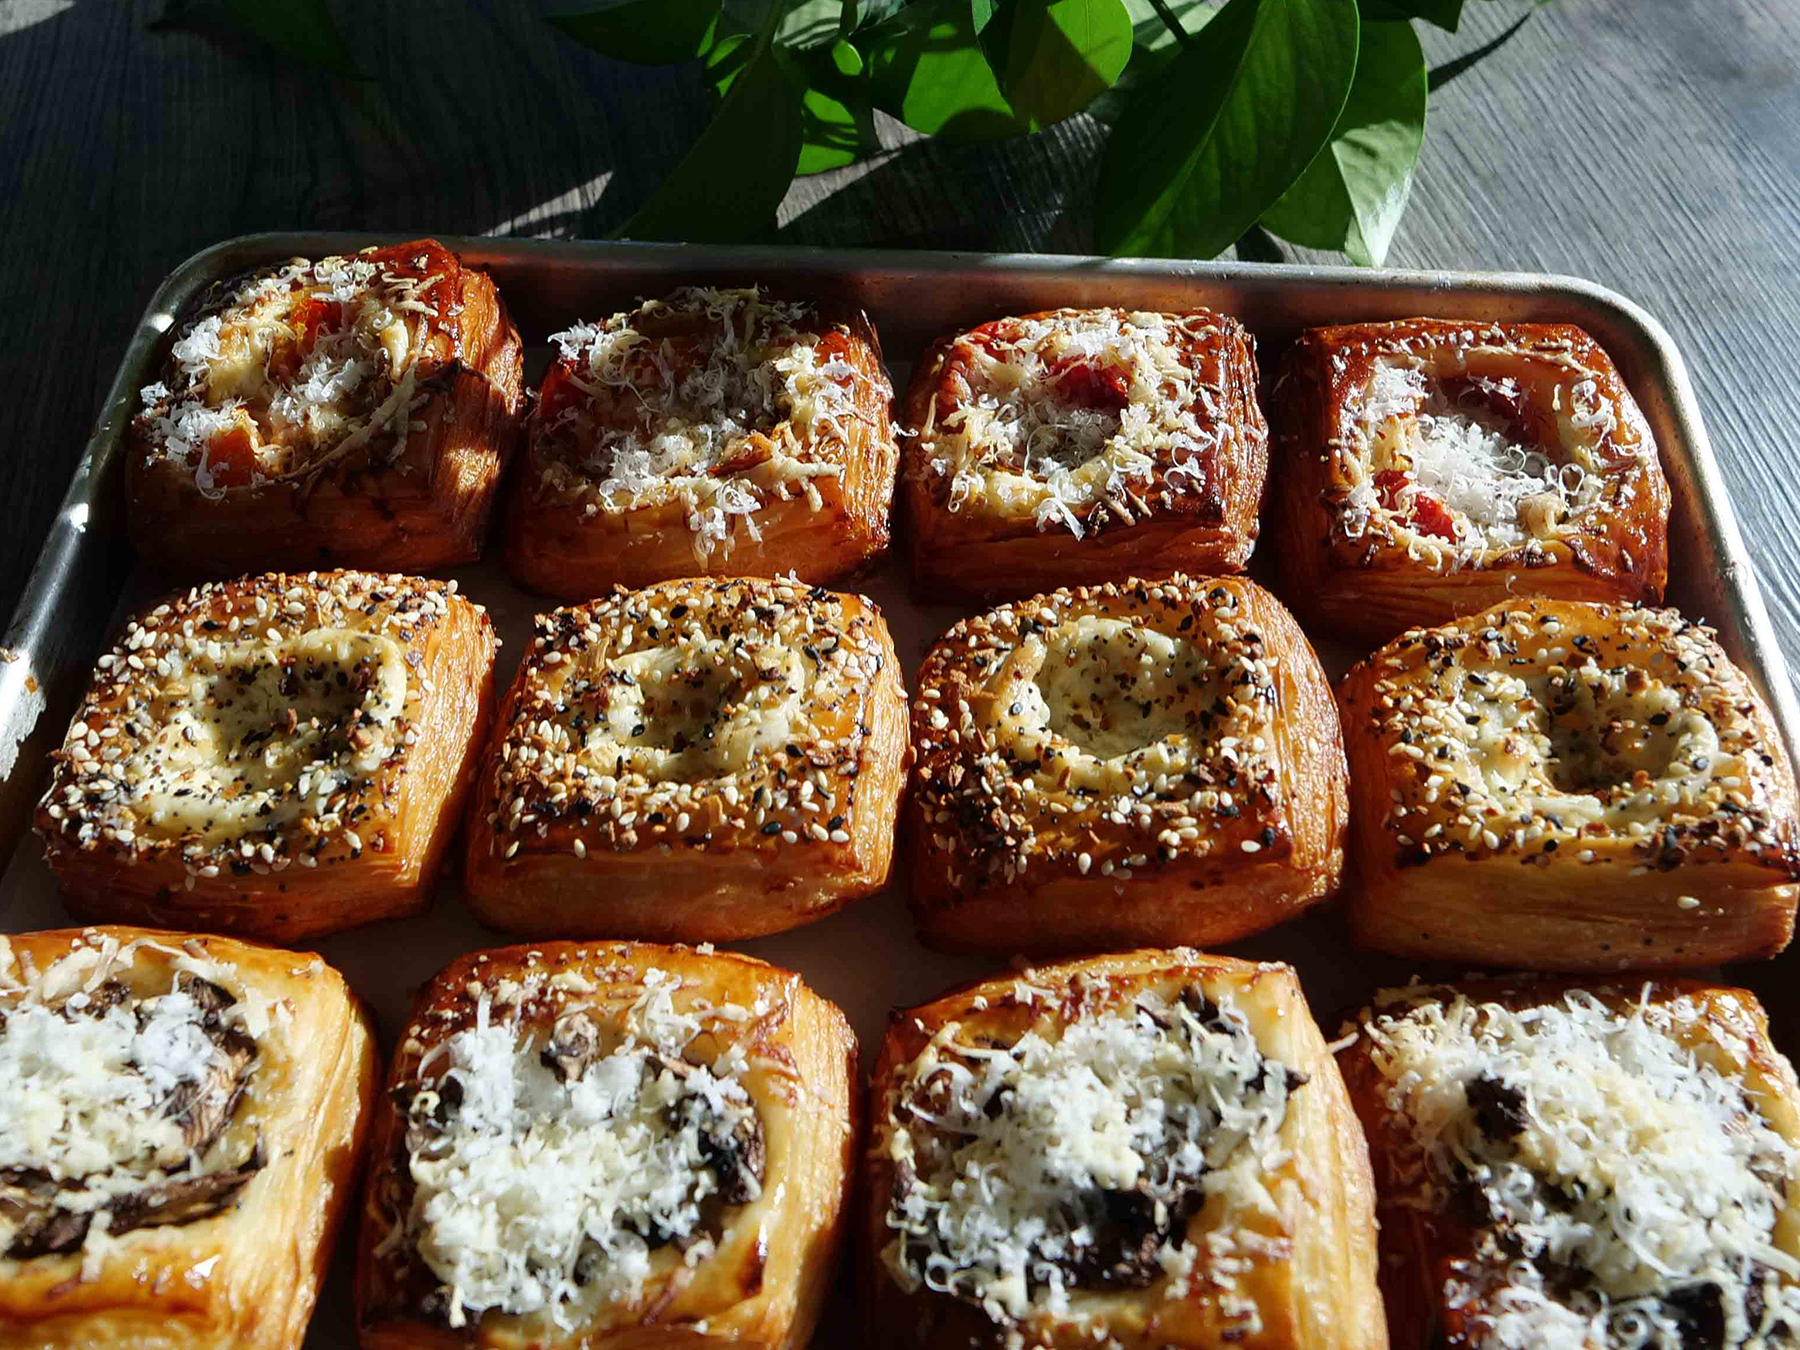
(608, 1146)
(1148, 762)
(1084, 445)
(700, 760)
(181, 1120)
(1151, 1151)
(1432, 467)
(277, 757)
(352, 411)
(1568, 786)
(1569, 1167)
(717, 432)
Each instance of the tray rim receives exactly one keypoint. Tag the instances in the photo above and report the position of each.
(51, 610)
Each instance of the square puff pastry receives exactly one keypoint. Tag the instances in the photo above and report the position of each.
(352, 411)
(1568, 786)
(715, 432)
(620, 1145)
(1432, 467)
(1120, 764)
(277, 757)
(702, 760)
(1563, 1166)
(1084, 445)
(1151, 1151)
(181, 1120)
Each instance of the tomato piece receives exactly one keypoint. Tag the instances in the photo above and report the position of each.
(231, 457)
(1428, 515)
(558, 393)
(1091, 384)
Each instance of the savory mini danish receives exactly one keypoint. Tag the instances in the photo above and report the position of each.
(701, 760)
(621, 1144)
(352, 411)
(280, 757)
(1582, 1167)
(1151, 1151)
(1430, 467)
(1567, 786)
(1151, 762)
(180, 1124)
(714, 432)
(1084, 445)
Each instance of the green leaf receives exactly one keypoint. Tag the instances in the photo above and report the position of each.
(648, 32)
(983, 12)
(1150, 21)
(839, 128)
(1061, 54)
(730, 183)
(798, 23)
(868, 13)
(302, 30)
(1209, 144)
(926, 67)
(1351, 196)
(1446, 14)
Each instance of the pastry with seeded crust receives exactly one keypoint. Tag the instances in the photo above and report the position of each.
(1141, 762)
(278, 757)
(702, 760)
(1565, 786)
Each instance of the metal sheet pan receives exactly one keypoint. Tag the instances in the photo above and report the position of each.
(864, 958)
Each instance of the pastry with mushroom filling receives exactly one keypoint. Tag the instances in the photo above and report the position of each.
(1431, 467)
(348, 411)
(697, 761)
(616, 1145)
(1568, 1167)
(1150, 1151)
(180, 1119)
(1564, 786)
(277, 757)
(715, 432)
(1084, 445)
(1148, 762)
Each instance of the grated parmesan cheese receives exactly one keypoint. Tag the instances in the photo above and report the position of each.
(1070, 411)
(545, 1186)
(1026, 1172)
(717, 400)
(1632, 1189)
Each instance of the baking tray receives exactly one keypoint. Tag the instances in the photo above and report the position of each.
(864, 958)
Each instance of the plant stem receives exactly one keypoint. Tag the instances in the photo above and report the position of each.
(1170, 22)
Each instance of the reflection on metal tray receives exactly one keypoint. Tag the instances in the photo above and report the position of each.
(864, 958)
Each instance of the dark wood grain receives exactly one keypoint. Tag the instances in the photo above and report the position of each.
(1654, 147)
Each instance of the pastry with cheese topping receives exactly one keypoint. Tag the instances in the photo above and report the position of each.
(1146, 762)
(621, 1144)
(1431, 467)
(1083, 445)
(277, 757)
(180, 1124)
(1558, 785)
(348, 411)
(718, 431)
(1150, 1151)
(1581, 1167)
(701, 760)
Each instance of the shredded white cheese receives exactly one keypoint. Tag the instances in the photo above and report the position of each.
(718, 400)
(1631, 1184)
(537, 1190)
(1013, 1161)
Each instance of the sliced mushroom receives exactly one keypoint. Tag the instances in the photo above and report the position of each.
(204, 1107)
(574, 1044)
(738, 1160)
(183, 1199)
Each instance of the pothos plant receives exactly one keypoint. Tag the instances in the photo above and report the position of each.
(1302, 118)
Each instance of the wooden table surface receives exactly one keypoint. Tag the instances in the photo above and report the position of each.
(1651, 146)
